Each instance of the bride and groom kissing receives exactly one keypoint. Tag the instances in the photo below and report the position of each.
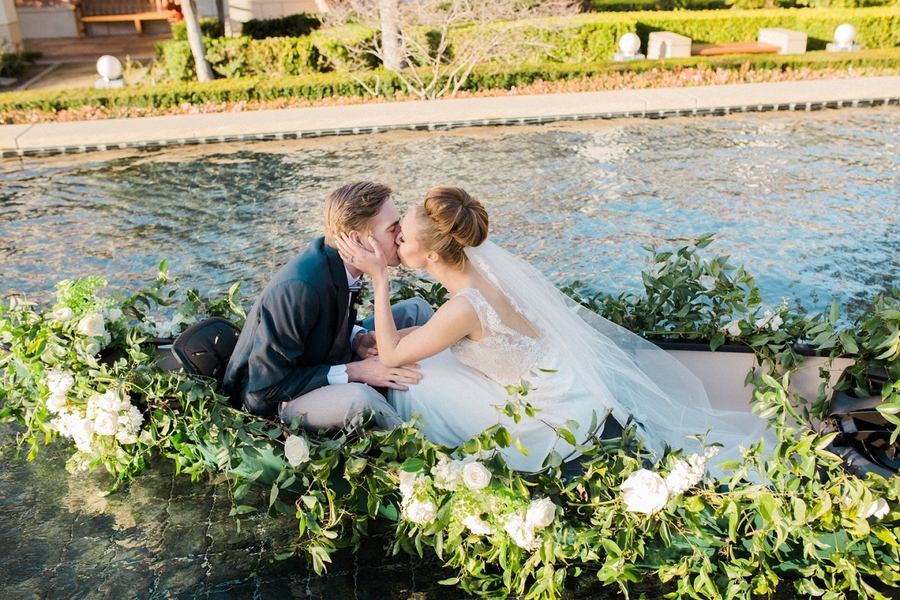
(301, 353)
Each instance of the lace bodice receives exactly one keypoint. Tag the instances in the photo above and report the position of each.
(502, 354)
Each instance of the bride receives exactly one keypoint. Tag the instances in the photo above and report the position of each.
(504, 324)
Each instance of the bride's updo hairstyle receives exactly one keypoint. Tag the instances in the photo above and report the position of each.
(451, 221)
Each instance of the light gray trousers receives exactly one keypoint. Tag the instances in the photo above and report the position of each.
(349, 405)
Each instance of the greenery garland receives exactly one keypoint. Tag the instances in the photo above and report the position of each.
(87, 370)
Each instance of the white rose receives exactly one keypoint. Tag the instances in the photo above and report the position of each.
(477, 525)
(521, 532)
(685, 474)
(420, 511)
(82, 431)
(541, 513)
(645, 492)
(476, 476)
(106, 423)
(113, 314)
(92, 326)
(63, 314)
(126, 437)
(878, 509)
(296, 450)
(733, 329)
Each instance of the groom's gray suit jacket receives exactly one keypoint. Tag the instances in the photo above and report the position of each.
(291, 336)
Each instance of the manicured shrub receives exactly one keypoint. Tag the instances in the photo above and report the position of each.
(289, 26)
(208, 26)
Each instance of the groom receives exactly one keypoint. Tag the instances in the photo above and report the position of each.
(301, 353)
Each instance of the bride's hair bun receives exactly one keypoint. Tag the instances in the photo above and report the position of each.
(454, 220)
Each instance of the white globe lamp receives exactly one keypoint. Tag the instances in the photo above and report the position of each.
(844, 36)
(109, 67)
(629, 44)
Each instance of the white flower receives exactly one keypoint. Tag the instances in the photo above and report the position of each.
(408, 483)
(113, 314)
(878, 509)
(92, 326)
(477, 525)
(541, 513)
(82, 431)
(733, 329)
(476, 476)
(776, 322)
(645, 492)
(685, 474)
(63, 314)
(106, 423)
(448, 475)
(521, 532)
(296, 450)
(91, 348)
(59, 382)
(56, 402)
(420, 511)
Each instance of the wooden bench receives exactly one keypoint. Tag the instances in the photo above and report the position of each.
(108, 11)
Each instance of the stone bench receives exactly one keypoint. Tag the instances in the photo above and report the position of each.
(787, 40)
(665, 44)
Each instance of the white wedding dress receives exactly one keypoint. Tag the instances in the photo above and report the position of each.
(580, 367)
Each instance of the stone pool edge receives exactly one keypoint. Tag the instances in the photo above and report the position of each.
(287, 124)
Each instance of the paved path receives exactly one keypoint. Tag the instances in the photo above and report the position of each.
(52, 138)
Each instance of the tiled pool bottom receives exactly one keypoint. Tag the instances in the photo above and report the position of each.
(162, 536)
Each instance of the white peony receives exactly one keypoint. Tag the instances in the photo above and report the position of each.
(686, 474)
(448, 475)
(476, 476)
(421, 512)
(878, 509)
(521, 532)
(645, 492)
(92, 326)
(477, 525)
(296, 450)
(541, 513)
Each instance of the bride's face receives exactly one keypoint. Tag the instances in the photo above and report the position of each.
(410, 251)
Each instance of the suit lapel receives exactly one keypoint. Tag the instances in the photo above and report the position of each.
(339, 347)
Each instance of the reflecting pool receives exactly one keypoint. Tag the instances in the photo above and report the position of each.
(808, 202)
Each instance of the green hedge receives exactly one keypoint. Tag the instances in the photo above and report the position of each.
(289, 26)
(594, 37)
(325, 85)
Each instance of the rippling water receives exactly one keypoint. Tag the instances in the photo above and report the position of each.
(808, 202)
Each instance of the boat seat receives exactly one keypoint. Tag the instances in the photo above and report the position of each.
(205, 347)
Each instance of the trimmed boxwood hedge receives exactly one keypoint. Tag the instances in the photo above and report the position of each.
(317, 86)
(589, 37)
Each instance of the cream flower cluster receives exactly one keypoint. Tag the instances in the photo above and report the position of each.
(468, 483)
(168, 329)
(771, 320)
(104, 418)
(646, 492)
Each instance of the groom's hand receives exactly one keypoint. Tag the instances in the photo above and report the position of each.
(364, 344)
(372, 372)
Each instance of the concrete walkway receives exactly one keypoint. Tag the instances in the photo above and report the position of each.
(149, 132)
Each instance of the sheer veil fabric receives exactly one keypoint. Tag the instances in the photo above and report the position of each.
(625, 373)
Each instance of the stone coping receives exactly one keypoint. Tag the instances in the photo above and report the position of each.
(288, 124)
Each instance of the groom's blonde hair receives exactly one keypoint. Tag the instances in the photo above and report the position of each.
(351, 207)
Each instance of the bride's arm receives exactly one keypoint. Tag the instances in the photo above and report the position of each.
(453, 321)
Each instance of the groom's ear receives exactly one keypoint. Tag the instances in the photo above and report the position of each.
(354, 237)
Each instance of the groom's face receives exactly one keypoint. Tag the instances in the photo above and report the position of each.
(385, 227)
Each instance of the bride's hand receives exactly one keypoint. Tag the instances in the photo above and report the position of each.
(371, 262)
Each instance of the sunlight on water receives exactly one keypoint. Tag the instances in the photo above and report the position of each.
(806, 201)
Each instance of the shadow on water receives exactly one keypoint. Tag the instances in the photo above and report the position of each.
(806, 202)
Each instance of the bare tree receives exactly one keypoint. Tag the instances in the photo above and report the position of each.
(195, 39)
(433, 45)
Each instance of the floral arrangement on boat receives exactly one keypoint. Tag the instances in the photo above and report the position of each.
(88, 371)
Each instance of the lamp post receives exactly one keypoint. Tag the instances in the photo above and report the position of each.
(629, 44)
(110, 70)
(844, 36)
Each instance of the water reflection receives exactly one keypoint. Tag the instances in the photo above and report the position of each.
(808, 204)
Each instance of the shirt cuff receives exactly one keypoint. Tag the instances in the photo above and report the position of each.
(356, 329)
(337, 375)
